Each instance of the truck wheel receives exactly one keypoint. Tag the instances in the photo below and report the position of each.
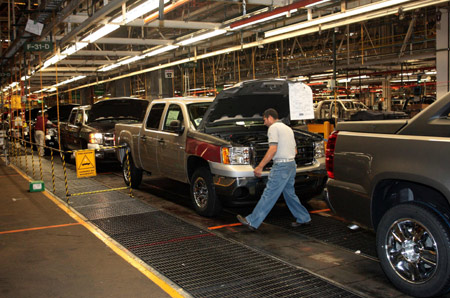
(136, 174)
(413, 244)
(203, 194)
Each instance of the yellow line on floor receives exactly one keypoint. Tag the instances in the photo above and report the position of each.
(40, 228)
(118, 250)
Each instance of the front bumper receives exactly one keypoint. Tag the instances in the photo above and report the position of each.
(103, 152)
(237, 185)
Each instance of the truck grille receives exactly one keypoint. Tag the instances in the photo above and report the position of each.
(305, 153)
(109, 139)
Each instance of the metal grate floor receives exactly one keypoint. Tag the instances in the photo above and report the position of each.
(331, 231)
(206, 265)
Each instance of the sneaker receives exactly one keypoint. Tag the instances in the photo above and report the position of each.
(245, 222)
(300, 224)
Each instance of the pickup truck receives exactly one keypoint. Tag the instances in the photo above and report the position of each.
(92, 127)
(391, 176)
(216, 156)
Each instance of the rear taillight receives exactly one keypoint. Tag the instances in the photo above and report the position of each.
(329, 154)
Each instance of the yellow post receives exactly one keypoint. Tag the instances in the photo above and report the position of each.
(326, 130)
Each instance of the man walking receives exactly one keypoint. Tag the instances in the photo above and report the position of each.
(282, 149)
(39, 131)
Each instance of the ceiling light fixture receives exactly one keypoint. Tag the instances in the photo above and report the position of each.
(69, 81)
(202, 37)
(74, 48)
(138, 11)
(105, 30)
(334, 17)
(317, 3)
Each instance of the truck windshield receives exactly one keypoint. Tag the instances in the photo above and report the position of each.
(196, 112)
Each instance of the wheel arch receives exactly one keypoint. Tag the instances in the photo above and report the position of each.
(195, 162)
(391, 192)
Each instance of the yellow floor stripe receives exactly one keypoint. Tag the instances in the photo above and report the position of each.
(118, 250)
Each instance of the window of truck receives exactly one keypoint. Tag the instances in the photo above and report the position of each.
(154, 118)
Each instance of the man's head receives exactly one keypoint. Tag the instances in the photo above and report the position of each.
(270, 116)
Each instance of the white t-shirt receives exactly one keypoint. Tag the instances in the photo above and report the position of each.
(282, 135)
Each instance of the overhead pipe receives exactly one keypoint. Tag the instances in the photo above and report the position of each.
(167, 9)
(279, 10)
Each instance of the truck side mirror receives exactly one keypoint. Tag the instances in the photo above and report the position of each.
(175, 126)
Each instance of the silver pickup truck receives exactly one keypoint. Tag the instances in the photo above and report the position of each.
(392, 176)
(217, 155)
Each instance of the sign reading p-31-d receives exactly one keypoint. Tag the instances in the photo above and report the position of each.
(39, 46)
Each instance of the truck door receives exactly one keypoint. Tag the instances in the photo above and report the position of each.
(73, 129)
(148, 139)
(171, 144)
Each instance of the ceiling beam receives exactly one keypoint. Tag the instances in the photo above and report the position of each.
(106, 53)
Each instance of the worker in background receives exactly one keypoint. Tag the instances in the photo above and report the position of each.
(380, 104)
(282, 149)
(39, 131)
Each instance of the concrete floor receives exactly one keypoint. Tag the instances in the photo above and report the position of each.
(61, 258)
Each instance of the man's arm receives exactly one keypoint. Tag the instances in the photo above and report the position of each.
(267, 158)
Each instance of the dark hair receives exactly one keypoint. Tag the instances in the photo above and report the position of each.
(270, 112)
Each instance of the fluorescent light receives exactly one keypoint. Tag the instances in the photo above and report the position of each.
(74, 48)
(109, 67)
(399, 81)
(334, 17)
(202, 37)
(160, 50)
(321, 75)
(433, 72)
(284, 13)
(138, 11)
(345, 80)
(316, 3)
(52, 61)
(151, 53)
(69, 81)
(105, 30)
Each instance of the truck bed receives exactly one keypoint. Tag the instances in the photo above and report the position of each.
(378, 126)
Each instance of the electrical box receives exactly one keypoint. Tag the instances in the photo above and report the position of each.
(36, 186)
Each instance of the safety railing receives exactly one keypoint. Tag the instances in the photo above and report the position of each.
(18, 150)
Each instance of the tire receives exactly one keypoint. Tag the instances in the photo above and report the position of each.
(203, 193)
(413, 245)
(135, 173)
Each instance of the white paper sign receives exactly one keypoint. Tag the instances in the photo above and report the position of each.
(301, 101)
(34, 27)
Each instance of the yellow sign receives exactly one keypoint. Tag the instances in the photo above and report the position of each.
(85, 161)
(16, 102)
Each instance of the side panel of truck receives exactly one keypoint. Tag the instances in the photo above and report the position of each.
(363, 160)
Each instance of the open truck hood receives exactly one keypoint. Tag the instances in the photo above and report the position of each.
(118, 108)
(247, 101)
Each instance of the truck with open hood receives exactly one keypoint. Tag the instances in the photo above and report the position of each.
(217, 156)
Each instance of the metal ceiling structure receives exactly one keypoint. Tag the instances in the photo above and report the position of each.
(247, 39)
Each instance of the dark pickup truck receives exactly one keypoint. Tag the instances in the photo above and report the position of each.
(391, 176)
(92, 127)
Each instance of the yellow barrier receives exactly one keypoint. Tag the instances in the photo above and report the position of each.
(324, 129)
(15, 151)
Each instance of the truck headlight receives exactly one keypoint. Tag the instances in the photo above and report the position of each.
(95, 138)
(236, 155)
(319, 149)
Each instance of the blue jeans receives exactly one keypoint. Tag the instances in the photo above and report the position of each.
(281, 180)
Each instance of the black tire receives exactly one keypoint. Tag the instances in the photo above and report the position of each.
(203, 193)
(413, 245)
(136, 174)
